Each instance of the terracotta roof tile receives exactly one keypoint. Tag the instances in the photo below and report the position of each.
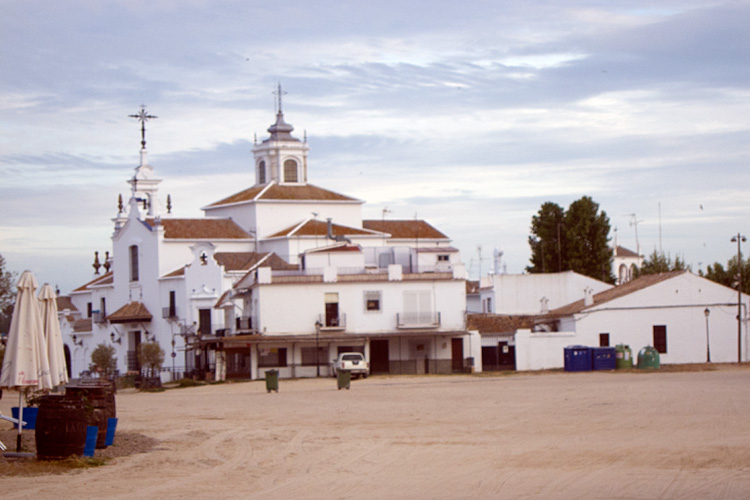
(275, 192)
(404, 229)
(131, 312)
(65, 302)
(82, 325)
(624, 252)
(319, 228)
(201, 229)
(243, 261)
(497, 323)
(104, 279)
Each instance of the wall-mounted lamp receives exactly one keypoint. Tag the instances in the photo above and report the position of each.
(112, 336)
(150, 337)
(76, 341)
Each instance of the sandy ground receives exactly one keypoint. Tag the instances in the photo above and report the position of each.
(607, 435)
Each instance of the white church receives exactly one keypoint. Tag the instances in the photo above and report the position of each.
(282, 275)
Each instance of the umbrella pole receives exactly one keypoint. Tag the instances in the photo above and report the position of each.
(20, 420)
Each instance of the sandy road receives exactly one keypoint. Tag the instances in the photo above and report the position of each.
(559, 436)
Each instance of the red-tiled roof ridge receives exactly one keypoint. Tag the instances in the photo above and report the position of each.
(312, 227)
(275, 192)
(339, 247)
(637, 284)
(404, 229)
(243, 261)
(130, 312)
(65, 302)
(104, 279)
(621, 251)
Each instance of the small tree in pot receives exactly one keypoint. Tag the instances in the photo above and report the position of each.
(103, 361)
(151, 357)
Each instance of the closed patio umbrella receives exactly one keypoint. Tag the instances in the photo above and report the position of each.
(55, 351)
(25, 364)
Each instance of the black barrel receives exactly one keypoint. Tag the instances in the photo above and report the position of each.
(99, 401)
(60, 428)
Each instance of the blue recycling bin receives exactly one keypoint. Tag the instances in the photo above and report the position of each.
(577, 358)
(603, 358)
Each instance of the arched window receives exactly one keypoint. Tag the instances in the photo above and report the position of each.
(134, 263)
(261, 172)
(623, 274)
(290, 171)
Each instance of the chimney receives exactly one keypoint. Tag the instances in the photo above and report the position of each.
(588, 297)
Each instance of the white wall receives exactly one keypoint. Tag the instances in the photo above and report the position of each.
(543, 350)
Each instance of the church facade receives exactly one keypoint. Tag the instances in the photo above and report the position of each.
(282, 275)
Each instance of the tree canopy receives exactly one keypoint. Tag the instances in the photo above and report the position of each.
(576, 240)
(728, 277)
(658, 262)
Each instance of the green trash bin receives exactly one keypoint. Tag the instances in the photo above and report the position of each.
(623, 357)
(344, 378)
(648, 358)
(272, 380)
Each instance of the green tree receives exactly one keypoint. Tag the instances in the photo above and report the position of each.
(546, 239)
(7, 296)
(151, 357)
(658, 262)
(728, 277)
(103, 360)
(576, 239)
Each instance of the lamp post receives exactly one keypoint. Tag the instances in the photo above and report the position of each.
(739, 239)
(707, 312)
(317, 348)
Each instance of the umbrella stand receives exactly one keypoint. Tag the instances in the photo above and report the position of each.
(20, 420)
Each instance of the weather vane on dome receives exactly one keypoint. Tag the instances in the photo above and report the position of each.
(143, 117)
(278, 93)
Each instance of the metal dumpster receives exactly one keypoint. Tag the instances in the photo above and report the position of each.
(624, 357)
(602, 358)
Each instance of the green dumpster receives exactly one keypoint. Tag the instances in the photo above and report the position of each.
(272, 380)
(623, 357)
(648, 357)
(344, 378)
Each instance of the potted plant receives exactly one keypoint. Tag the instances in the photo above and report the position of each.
(151, 357)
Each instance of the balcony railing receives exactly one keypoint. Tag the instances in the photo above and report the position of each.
(98, 317)
(244, 324)
(169, 312)
(418, 320)
(332, 322)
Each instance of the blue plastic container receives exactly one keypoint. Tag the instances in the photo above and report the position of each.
(603, 358)
(577, 358)
(29, 416)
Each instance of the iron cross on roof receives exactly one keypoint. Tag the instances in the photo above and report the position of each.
(143, 117)
(279, 93)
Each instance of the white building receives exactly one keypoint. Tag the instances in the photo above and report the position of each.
(268, 262)
(687, 318)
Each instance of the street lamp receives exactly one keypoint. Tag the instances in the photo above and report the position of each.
(317, 348)
(739, 239)
(707, 312)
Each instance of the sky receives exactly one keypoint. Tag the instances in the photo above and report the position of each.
(469, 115)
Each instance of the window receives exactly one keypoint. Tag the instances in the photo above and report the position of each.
(261, 172)
(309, 357)
(134, 263)
(103, 307)
(332, 309)
(272, 357)
(89, 309)
(290, 171)
(373, 301)
(172, 304)
(660, 338)
(603, 340)
(417, 308)
(443, 258)
(488, 305)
